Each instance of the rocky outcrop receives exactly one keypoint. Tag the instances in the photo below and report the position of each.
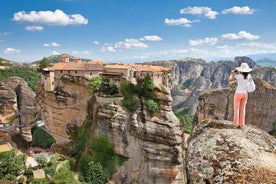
(218, 153)
(260, 108)
(191, 77)
(66, 106)
(17, 105)
(17, 108)
(152, 144)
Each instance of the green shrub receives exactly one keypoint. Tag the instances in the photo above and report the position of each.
(102, 151)
(82, 137)
(11, 163)
(186, 84)
(128, 89)
(94, 174)
(185, 119)
(50, 170)
(143, 89)
(41, 138)
(152, 106)
(64, 176)
(41, 159)
(130, 103)
(102, 85)
(40, 181)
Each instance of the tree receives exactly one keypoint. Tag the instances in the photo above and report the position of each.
(94, 174)
(44, 63)
(95, 84)
(147, 87)
(103, 85)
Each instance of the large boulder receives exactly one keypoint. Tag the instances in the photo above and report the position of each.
(152, 144)
(17, 105)
(219, 153)
(260, 108)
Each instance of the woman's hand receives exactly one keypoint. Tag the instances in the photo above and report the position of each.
(231, 77)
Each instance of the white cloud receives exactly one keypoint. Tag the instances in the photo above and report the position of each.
(201, 11)
(130, 44)
(34, 28)
(53, 44)
(126, 44)
(108, 49)
(58, 17)
(242, 35)
(11, 51)
(5, 34)
(209, 41)
(239, 10)
(96, 42)
(151, 38)
(178, 22)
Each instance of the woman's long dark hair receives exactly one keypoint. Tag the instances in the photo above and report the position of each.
(245, 74)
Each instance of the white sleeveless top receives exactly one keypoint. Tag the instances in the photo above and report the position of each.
(242, 83)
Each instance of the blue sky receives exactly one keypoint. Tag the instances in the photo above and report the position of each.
(136, 30)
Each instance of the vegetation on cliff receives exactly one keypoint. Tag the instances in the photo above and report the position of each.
(142, 90)
(30, 75)
(185, 119)
(102, 86)
(41, 138)
(96, 158)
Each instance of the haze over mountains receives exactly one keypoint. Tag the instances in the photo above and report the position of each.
(260, 59)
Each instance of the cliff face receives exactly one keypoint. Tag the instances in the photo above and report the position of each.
(218, 153)
(260, 108)
(154, 145)
(191, 77)
(66, 106)
(17, 104)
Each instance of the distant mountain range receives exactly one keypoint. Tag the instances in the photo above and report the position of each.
(260, 59)
(264, 59)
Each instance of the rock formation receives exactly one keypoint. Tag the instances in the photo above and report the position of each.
(17, 105)
(260, 108)
(191, 77)
(153, 145)
(218, 153)
(66, 106)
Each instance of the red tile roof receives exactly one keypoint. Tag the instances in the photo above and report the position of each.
(150, 68)
(77, 66)
(119, 66)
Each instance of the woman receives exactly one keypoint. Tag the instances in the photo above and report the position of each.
(241, 75)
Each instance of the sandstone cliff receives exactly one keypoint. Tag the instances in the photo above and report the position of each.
(190, 77)
(17, 105)
(218, 153)
(154, 145)
(260, 109)
(66, 106)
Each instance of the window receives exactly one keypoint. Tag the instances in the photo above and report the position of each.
(76, 71)
(60, 71)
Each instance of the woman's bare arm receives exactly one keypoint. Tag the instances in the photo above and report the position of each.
(231, 77)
